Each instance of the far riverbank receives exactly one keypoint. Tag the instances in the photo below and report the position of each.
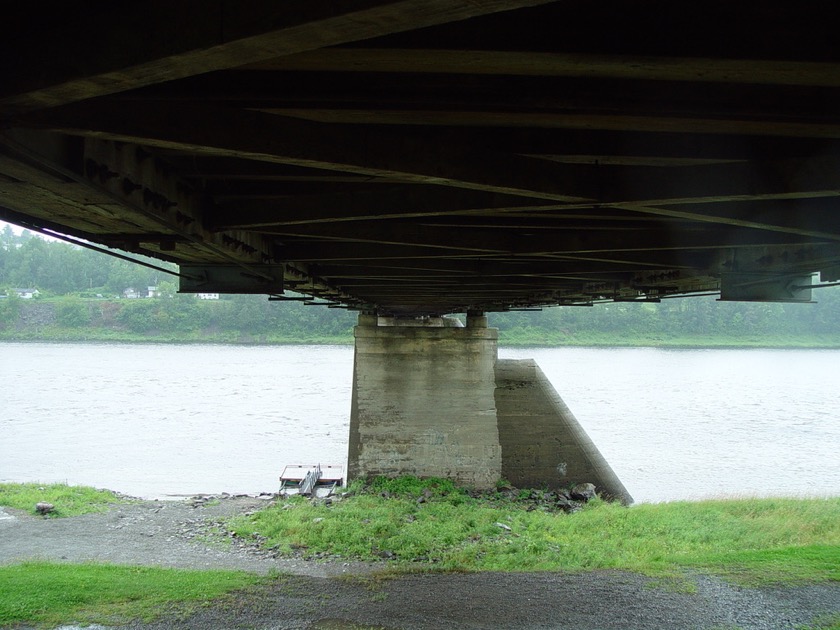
(516, 338)
(250, 320)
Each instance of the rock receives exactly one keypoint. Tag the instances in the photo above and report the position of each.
(583, 491)
(44, 508)
(565, 504)
(502, 526)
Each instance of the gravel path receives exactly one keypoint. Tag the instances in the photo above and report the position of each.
(333, 595)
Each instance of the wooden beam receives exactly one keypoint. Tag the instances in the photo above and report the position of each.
(220, 131)
(769, 30)
(559, 64)
(601, 143)
(405, 92)
(652, 123)
(455, 269)
(795, 178)
(132, 45)
(212, 130)
(524, 242)
(814, 218)
(404, 202)
(328, 255)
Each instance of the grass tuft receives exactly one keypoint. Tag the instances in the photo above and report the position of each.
(68, 500)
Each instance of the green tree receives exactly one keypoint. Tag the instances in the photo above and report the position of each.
(72, 313)
(9, 310)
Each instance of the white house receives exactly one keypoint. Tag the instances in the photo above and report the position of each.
(27, 294)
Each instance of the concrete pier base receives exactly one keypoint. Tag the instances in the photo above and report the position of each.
(542, 442)
(430, 399)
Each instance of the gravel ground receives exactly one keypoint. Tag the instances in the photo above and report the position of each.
(331, 595)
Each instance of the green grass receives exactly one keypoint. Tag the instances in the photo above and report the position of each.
(68, 500)
(434, 525)
(518, 337)
(49, 594)
(823, 622)
(786, 565)
(765, 540)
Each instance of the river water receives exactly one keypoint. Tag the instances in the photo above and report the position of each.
(168, 420)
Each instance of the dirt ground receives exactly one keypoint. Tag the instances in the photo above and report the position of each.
(335, 594)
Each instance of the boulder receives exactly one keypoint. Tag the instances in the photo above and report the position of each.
(583, 491)
(567, 505)
(44, 508)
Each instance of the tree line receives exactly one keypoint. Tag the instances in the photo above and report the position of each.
(81, 289)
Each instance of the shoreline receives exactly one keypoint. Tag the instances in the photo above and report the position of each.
(682, 344)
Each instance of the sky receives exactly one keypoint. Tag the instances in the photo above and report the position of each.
(17, 230)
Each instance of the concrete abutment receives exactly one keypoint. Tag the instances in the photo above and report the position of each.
(431, 399)
(543, 444)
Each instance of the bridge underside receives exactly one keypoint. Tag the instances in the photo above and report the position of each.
(422, 158)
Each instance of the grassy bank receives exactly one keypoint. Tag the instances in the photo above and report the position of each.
(437, 526)
(67, 500)
(433, 525)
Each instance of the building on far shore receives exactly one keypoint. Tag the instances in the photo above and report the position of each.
(133, 294)
(26, 294)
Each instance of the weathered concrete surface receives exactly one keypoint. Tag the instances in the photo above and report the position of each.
(423, 403)
(433, 401)
(542, 442)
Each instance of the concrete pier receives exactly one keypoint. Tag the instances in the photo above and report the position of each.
(542, 442)
(430, 399)
(424, 401)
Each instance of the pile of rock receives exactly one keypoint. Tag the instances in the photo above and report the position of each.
(548, 500)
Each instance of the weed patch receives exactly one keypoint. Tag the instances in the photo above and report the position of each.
(68, 500)
(438, 526)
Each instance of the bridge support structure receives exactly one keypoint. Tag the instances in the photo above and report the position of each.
(431, 399)
(423, 401)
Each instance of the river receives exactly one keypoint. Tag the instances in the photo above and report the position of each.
(171, 420)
